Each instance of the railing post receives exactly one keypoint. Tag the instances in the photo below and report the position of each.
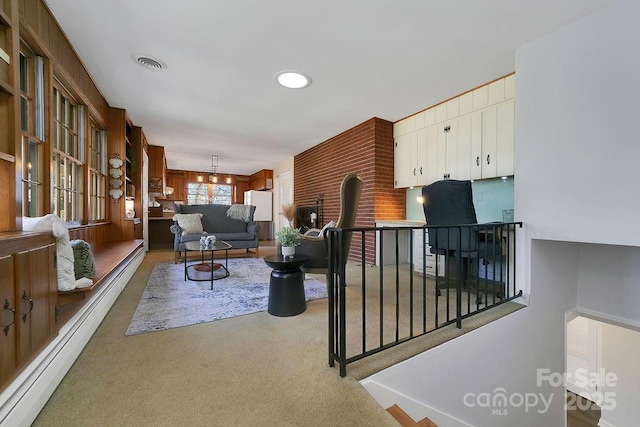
(342, 301)
(331, 296)
(459, 280)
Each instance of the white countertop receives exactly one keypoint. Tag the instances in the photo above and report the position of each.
(399, 223)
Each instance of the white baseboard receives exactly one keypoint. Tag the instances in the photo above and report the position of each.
(25, 397)
(387, 397)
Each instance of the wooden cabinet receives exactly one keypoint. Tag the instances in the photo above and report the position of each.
(28, 295)
(242, 185)
(262, 180)
(468, 137)
(176, 180)
(160, 235)
(157, 170)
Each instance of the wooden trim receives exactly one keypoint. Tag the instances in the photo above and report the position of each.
(7, 157)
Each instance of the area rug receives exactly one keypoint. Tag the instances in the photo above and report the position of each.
(168, 301)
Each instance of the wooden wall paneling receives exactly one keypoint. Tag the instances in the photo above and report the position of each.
(10, 122)
(94, 234)
(42, 32)
(7, 192)
(139, 141)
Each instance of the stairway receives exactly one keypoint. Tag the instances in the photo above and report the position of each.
(406, 421)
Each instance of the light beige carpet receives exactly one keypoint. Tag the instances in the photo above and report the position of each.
(250, 370)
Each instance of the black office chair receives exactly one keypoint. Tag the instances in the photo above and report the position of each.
(463, 241)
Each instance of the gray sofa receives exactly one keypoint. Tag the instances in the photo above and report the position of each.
(239, 234)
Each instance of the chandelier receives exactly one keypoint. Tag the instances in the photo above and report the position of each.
(213, 175)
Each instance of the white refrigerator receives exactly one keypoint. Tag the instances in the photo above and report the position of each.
(263, 201)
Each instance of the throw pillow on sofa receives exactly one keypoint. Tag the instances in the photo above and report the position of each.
(190, 223)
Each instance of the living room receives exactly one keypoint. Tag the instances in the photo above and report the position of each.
(571, 187)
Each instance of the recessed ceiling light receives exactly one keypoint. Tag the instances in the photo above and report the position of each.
(149, 62)
(293, 79)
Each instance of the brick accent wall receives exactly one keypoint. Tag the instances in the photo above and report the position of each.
(366, 149)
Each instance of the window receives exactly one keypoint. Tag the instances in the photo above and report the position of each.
(201, 194)
(222, 194)
(32, 127)
(97, 172)
(67, 159)
(197, 194)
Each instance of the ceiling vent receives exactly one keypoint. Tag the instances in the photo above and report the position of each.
(149, 62)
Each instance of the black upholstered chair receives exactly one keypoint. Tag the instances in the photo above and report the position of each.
(315, 247)
(463, 241)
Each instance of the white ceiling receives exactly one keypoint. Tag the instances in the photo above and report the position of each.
(368, 58)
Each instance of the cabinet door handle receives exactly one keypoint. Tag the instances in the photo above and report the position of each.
(420, 170)
(488, 158)
(26, 298)
(414, 171)
(478, 161)
(8, 308)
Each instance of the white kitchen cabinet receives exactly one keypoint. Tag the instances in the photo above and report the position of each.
(431, 173)
(498, 140)
(424, 262)
(469, 154)
(468, 137)
(402, 160)
(410, 159)
(448, 149)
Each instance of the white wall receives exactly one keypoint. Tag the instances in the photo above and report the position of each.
(577, 130)
(609, 283)
(620, 350)
(576, 161)
(504, 354)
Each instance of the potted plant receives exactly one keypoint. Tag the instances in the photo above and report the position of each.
(289, 238)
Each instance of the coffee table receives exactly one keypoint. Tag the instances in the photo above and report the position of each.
(217, 270)
(286, 287)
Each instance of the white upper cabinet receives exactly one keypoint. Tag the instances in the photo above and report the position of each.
(469, 146)
(498, 140)
(467, 137)
(448, 149)
(402, 160)
(410, 159)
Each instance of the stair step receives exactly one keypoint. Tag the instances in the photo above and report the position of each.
(406, 421)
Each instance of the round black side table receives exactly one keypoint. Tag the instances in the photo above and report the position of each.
(286, 287)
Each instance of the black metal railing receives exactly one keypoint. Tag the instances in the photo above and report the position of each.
(466, 269)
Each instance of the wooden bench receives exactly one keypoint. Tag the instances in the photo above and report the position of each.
(107, 257)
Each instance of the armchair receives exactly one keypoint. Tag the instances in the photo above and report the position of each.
(461, 240)
(314, 244)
